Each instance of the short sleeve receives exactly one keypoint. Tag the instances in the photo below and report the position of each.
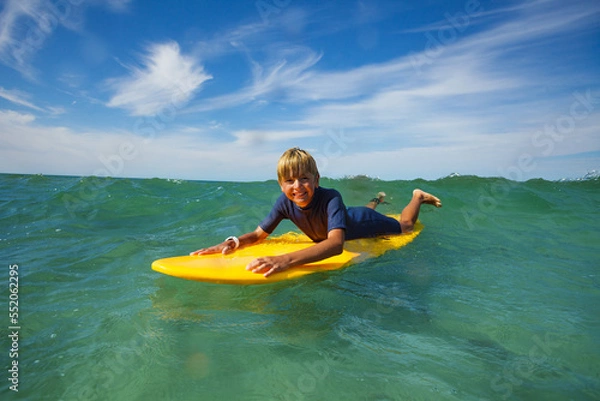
(336, 214)
(270, 223)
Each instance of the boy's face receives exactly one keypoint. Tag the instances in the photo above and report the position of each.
(301, 189)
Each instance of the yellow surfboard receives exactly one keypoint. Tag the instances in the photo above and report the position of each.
(231, 269)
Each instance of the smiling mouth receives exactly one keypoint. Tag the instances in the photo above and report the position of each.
(301, 198)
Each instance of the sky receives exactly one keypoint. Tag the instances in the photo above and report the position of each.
(218, 90)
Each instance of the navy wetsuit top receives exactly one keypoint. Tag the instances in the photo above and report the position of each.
(326, 212)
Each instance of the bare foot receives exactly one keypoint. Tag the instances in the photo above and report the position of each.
(376, 201)
(427, 198)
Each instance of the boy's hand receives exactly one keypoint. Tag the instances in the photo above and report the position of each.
(269, 265)
(224, 248)
(232, 243)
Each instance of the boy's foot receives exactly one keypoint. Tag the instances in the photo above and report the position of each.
(376, 201)
(426, 197)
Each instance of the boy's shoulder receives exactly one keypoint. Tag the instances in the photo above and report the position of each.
(329, 191)
(327, 194)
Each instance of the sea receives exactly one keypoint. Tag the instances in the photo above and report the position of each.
(497, 299)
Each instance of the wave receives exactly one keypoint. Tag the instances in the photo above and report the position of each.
(92, 189)
(593, 175)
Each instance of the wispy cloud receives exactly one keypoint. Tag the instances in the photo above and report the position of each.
(15, 51)
(166, 79)
(532, 21)
(468, 79)
(25, 25)
(117, 5)
(287, 68)
(19, 98)
(469, 64)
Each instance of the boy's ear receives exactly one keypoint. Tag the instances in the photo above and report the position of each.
(317, 180)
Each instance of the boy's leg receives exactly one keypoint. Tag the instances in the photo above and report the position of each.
(410, 214)
(376, 201)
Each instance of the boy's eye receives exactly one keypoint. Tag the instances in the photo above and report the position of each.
(303, 180)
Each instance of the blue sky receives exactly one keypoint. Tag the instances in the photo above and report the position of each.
(217, 90)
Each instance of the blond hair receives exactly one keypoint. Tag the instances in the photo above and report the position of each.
(294, 162)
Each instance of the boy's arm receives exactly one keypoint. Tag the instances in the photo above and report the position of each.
(229, 246)
(333, 245)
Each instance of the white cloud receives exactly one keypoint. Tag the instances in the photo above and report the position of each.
(8, 118)
(167, 79)
(260, 137)
(27, 146)
(118, 5)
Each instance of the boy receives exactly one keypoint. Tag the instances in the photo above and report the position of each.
(321, 214)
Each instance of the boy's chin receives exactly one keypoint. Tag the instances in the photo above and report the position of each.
(301, 202)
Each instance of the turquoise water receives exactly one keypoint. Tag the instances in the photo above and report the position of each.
(497, 299)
